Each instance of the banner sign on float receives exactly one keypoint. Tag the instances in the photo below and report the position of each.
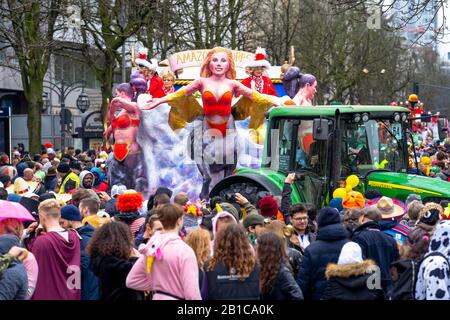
(195, 58)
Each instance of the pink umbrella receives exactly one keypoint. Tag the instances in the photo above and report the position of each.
(14, 210)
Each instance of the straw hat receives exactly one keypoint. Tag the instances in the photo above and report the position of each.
(23, 188)
(63, 197)
(388, 208)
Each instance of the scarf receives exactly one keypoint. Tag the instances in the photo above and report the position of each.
(168, 91)
(258, 83)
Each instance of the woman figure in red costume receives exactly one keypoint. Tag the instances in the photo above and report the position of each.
(215, 154)
(127, 168)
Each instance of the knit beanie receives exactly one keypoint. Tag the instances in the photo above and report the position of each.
(268, 206)
(63, 167)
(230, 208)
(328, 216)
(337, 203)
(71, 213)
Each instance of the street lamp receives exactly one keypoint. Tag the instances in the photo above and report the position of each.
(83, 101)
(63, 90)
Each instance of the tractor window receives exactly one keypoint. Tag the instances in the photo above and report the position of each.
(371, 145)
(285, 144)
(310, 155)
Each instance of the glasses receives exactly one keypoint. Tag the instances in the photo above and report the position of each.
(300, 219)
(167, 80)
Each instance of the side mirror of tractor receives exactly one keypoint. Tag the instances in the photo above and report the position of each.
(320, 129)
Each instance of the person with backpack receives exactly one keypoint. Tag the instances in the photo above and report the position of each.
(404, 271)
(433, 279)
(376, 245)
(331, 237)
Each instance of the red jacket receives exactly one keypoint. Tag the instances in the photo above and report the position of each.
(155, 87)
(268, 87)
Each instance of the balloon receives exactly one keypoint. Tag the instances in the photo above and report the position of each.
(348, 189)
(340, 193)
(352, 181)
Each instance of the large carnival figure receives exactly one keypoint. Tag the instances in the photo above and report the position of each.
(214, 138)
(127, 166)
(301, 89)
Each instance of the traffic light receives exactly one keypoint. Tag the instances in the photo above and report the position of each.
(66, 118)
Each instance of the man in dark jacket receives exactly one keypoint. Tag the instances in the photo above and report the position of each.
(376, 245)
(331, 237)
(71, 218)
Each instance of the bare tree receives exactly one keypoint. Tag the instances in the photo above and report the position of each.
(28, 27)
(106, 26)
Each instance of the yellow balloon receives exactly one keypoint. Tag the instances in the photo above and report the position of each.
(352, 181)
(340, 193)
(348, 188)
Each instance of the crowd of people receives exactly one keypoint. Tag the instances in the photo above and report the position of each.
(84, 239)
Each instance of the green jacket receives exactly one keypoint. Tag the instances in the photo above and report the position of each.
(248, 209)
(5, 261)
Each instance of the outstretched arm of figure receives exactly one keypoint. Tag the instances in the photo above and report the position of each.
(119, 102)
(248, 92)
(188, 90)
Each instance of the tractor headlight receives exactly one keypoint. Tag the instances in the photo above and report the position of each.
(365, 117)
(397, 117)
(357, 118)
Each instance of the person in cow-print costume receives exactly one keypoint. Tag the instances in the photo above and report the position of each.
(433, 280)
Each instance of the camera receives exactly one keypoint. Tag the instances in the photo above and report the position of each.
(299, 176)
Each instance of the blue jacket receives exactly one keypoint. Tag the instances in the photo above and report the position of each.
(89, 281)
(326, 249)
(378, 246)
(14, 280)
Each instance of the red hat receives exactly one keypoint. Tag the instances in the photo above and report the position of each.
(259, 60)
(48, 145)
(129, 201)
(268, 206)
(142, 59)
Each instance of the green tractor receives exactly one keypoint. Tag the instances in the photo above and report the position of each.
(324, 145)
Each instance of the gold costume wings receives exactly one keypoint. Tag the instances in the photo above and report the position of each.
(185, 109)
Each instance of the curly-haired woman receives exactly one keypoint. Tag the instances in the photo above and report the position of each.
(276, 279)
(232, 272)
(112, 257)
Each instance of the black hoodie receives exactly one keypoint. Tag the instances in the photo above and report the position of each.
(112, 274)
